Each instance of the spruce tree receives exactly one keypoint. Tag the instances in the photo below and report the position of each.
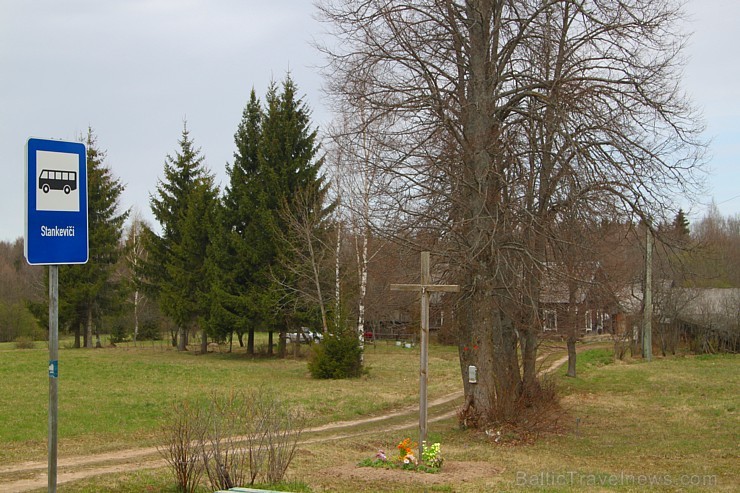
(183, 205)
(276, 162)
(681, 224)
(90, 290)
(235, 287)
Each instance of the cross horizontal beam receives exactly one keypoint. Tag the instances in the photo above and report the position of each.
(448, 288)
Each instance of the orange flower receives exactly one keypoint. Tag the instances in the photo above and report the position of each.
(406, 447)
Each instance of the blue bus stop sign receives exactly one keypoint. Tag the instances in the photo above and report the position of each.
(56, 203)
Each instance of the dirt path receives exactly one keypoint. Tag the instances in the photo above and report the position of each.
(86, 466)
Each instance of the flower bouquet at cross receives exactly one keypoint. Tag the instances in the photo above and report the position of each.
(431, 459)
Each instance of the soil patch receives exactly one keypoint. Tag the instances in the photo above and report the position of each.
(453, 472)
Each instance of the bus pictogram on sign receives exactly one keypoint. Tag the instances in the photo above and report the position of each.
(50, 179)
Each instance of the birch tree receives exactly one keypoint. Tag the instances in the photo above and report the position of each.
(359, 184)
(135, 256)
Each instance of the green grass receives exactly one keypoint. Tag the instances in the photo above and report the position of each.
(673, 421)
(115, 398)
(665, 420)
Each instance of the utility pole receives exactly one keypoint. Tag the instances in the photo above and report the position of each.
(426, 287)
(647, 313)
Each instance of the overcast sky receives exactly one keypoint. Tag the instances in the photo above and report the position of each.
(134, 70)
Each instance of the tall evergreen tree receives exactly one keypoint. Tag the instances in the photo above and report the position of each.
(233, 253)
(276, 161)
(90, 289)
(681, 224)
(183, 205)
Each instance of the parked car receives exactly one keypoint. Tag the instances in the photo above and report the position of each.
(305, 336)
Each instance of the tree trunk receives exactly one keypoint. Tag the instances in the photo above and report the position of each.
(362, 265)
(317, 283)
(572, 329)
(571, 343)
(240, 337)
(282, 344)
(528, 343)
(487, 337)
(136, 314)
(337, 258)
(78, 334)
(269, 343)
(88, 330)
(488, 342)
(182, 344)
(203, 342)
(250, 342)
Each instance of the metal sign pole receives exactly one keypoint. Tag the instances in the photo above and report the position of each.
(53, 373)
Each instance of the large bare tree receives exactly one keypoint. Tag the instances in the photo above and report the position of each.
(504, 115)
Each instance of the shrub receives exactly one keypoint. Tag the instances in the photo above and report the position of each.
(16, 321)
(184, 431)
(24, 343)
(338, 356)
(234, 440)
(225, 460)
(118, 332)
(150, 331)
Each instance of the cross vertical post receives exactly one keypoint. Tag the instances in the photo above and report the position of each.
(425, 288)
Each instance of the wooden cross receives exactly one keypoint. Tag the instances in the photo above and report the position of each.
(426, 287)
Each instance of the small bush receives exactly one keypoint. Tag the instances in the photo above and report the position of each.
(16, 321)
(338, 356)
(118, 331)
(149, 331)
(24, 343)
(233, 440)
(183, 431)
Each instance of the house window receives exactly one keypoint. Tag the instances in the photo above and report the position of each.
(549, 320)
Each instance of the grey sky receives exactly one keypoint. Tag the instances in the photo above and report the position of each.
(135, 69)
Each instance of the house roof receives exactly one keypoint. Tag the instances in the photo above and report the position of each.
(696, 304)
(555, 282)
